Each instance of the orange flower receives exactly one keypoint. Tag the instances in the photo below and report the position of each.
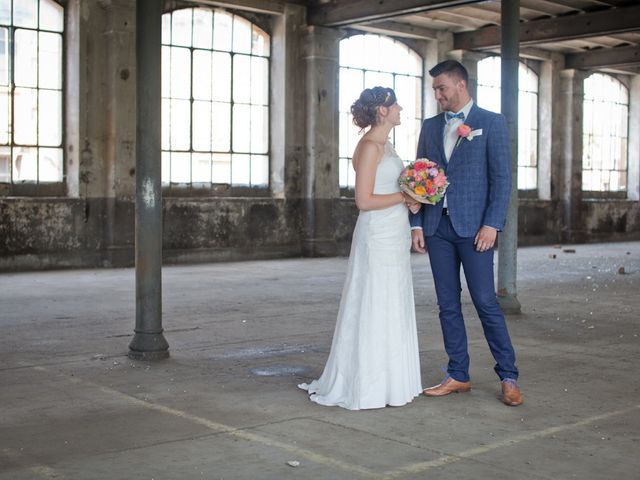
(421, 191)
(429, 184)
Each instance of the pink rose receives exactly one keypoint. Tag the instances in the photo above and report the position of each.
(440, 180)
(412, 184)
(464, 130)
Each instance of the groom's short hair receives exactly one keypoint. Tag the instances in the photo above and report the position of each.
(452, 68)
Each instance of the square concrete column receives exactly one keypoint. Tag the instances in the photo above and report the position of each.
(571, 173)
(321, 190)
(633, 173)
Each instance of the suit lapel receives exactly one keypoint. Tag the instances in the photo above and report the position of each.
(439, 140)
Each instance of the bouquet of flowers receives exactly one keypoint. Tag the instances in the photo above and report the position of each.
(423, 181)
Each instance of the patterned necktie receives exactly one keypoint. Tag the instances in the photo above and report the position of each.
(450, 116)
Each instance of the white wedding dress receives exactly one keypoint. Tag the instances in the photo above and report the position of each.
(374, 354)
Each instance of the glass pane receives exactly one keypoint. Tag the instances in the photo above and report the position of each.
(4, 56)
(351, 85)
(371, 53)
(259, 81)
(166, 71)
(260, 42)
(259, 129)
(51, 16)
(50, 69)
(166, 29)
(240, 170)
(166, 123)
(25, 13)
(25, 164)
(26, 115)
(50, 118)
(180, 126)
(180, 167)
(180, 73)
(26, 61)
(202, 126)
(5, 165)
(221, 168)
(343, 130)
(5, 115)
(222, 30)
(201, 168)
(50, 165)
(343, 166)
(351, 52)
(241, 35)
(5, 12)
(181, 27)
(166, 167)
(202, 28)
(259, 170)
(375, 79)
(202, 78)
(221, 127)
(241, 128)
(241, 78)
(221, 79)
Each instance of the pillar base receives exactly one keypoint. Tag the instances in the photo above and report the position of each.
(509, 304)
(148, 346)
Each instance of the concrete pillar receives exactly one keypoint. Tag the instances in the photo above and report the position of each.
(508, 244)
(633, 173)
(429, 53)
(470, 61)
(571, 131)
(321, 189)
(545, 129)
(148, 342)
(287, 94)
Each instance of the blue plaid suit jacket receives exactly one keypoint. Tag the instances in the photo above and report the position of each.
(479, 174)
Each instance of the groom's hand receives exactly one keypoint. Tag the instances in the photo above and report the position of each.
(417, 240)
(485, 238)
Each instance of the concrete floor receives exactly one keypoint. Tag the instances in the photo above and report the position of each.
(242, 335)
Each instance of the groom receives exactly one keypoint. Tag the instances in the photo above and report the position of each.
(462, 228)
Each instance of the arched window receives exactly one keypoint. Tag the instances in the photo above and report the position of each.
(489, 98)
(367, 61)
(605, 134)
(31, 91)
(215, 99)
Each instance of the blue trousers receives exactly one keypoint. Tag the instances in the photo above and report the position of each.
(447, 250)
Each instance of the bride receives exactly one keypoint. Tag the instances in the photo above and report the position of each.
(374, 354)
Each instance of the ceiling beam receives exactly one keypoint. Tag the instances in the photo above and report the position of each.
(349, 12)
(398, 29)
(272, 7)
(604, 58)
(569, 27)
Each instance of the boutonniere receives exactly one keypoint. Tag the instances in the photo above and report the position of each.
(465, 131)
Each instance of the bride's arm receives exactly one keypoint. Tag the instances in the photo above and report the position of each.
(366, 164)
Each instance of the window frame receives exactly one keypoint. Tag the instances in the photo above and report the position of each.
(226, 190)
(36, 188)
(607, 194)
(349, 191)
(529, 193)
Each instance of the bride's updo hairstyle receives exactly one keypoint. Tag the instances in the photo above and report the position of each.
(365, 108)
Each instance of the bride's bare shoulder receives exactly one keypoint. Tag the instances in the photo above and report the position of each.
(367, 150)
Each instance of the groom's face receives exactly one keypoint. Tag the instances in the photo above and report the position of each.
(450, 91)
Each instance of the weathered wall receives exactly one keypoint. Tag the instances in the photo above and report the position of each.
(94, 225)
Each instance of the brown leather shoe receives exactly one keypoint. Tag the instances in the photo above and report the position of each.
(511, 394)
(448, 385)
